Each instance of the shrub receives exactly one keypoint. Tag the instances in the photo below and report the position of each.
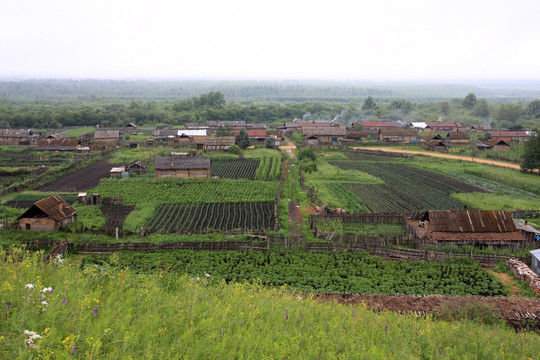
(459, 309)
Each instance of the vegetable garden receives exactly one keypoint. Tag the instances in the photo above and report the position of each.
(405, 190)
(197, 218)
(235, 169)
(185, 191)
(339, 272)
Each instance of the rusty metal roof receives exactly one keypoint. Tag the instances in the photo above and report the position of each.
(182, 163)
(496, 221)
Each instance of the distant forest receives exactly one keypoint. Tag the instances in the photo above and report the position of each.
(58, 103)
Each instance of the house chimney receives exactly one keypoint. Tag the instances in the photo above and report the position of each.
(526, 223)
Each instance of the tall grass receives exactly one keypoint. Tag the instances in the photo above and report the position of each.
(103, 312)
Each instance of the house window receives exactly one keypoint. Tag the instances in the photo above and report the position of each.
(27, 226)
(334, 139)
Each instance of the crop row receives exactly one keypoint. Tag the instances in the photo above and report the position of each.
(184, 191)
(405, 189)
(340, 272)
(235, 169)
(363, 229)
(269, 169)
(197, 218)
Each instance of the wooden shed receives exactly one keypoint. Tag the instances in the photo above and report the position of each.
(117, 171)
(493, 228)
(498, 144)
(136, 168)
(184, 167)
(325, 134)
(436, 145)
(47, 214)
(219, 143)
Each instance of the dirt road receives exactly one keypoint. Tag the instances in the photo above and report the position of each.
(447, 156)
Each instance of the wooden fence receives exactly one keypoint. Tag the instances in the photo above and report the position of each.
(363, 218)
(277, 242)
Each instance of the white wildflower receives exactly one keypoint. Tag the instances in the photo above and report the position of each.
(299, 298)
(58, 259)
(44, 303)
(31, 336)
(47, 290)
(29, 286)
(207, 275)
(197, 278)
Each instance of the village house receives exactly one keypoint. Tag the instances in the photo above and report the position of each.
(257, 136)
(373, 127)
(299, 125)
(196, 137)
(130, 128)
(106, 136)
(420, 126)
(47, 214)
(481, 228)
(351, 133)
(397, 134)
(164, 134)
(442, 126)
(324, 134)
(509, 135)
(55, 143)
(15, 136)
(457, 138)
(480, 128)
(219, 143)
(183, 166)
(233, 125)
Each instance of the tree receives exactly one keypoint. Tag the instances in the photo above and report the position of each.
(508, 114)
(242, 139)
(223, 130)
(533, 109)
(269, 143)
(469, 101)
(480, 109)
(369, 104)
(445, 108)
(531, 153)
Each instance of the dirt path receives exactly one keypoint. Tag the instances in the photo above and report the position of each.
(507, 280)
(446, 156)
(295, 215)
(288, 148)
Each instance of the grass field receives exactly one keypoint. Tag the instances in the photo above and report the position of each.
(104, 312)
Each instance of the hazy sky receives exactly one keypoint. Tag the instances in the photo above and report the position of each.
(276, 39)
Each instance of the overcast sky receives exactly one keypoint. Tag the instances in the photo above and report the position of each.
(276, 39)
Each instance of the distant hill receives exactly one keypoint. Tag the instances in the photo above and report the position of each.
(77, 91)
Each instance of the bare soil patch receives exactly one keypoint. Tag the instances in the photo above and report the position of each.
(82, 179)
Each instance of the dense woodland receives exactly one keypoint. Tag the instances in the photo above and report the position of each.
(55, 104)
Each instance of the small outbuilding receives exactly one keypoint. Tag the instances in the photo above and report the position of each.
(136, 168)
(219, 143)
(47, 214)
(117, 171)
(436, 145)
(184, 167)
(535, 263)
(498, 144)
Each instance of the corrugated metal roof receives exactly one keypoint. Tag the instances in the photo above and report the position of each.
(201, 132)
(17, 133)
(433, 143)
(225, 123)
(55, 207)
(57, 144)
(497, 141)
(536, 253)
(106, 134)
(495, 221)
(378, 124)
(433, 124)
(397, 131)
(182, 163)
